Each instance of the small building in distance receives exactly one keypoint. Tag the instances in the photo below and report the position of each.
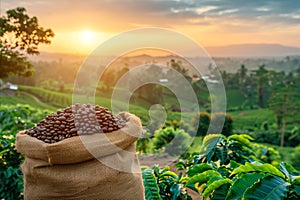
(9, 89)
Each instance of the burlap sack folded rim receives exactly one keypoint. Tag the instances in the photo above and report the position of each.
(77, 149)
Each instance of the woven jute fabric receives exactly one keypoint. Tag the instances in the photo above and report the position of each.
(97, 166)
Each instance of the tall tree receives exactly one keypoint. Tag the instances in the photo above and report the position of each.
(284, 103)
(261, 75)
(177, 65)
(20, 33)
(243, 74)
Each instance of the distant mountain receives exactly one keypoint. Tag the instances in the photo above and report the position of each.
(253, 50)
(57, 57)
(229, 58)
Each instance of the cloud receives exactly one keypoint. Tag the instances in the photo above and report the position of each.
(120, 15)
(160, 12)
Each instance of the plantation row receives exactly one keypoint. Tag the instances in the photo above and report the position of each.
(56, 99)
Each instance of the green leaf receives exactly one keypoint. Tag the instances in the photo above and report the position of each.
(284, 170)
(297, 190)
(222, 154)
(258, 167)
(3, 151)
(199, 168)
(221, 192)
(192, 187)
(215, 185)
(175, 191)
(234, 164)
(241, 184)
(209, 144)
(204, 177)
(150, 184)
(213, 179)
(296, 180)
(269, 188)
(169, 173)
(243, 139)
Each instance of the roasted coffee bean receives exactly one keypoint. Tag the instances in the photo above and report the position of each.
(62, 118)
(47, 141)
(88, 119)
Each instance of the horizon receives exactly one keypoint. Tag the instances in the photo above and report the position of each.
(213, 51)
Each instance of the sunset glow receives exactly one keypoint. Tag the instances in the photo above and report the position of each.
(87, 36)
(210, 23)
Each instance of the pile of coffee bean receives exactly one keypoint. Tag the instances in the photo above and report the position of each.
(78, 119)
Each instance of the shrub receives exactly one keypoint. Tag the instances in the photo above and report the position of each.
(267, 154)
(13, 119)
(291, 138)
(201, 123)
(203, 120)
(228, 123)
(175, 142)
(253, 180)
(179, 124)
(142, 144)
(229, 168)
(179, 144)
(296, 157)
(163, 136)
(161, 183)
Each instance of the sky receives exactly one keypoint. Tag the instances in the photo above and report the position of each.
(80, 26)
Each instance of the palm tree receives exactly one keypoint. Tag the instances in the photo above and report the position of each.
(261, 76)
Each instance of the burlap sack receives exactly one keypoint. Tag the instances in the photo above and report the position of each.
(98, 166)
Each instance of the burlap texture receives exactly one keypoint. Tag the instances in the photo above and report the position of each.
(81, 167)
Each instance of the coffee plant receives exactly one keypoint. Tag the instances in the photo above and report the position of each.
(202, 120)
(161, 183)
(174, 141)
(14, 119)
(234, 168)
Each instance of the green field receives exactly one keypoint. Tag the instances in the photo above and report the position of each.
(45, 99)
(25, 98)
(249, 119)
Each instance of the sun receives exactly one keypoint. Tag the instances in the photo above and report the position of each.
(87, 36)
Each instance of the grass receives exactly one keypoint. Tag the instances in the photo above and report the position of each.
(234, 98)
(249, 119)
(243, 120)
(25, 98)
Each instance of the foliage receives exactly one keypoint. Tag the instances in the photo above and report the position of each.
(217, 147)
(174, 142)
(13, 119)
(179, 144)
(245, 179)
(150, 184)
(267, 154)
(169, 184)
(261, 75)
(179, 124)
(296, 157)
(53, 98)
(163, 136)
(143, 143)
(274, 136)
(202, 121)
(228, 123)
(19, 32)
(284, 102)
